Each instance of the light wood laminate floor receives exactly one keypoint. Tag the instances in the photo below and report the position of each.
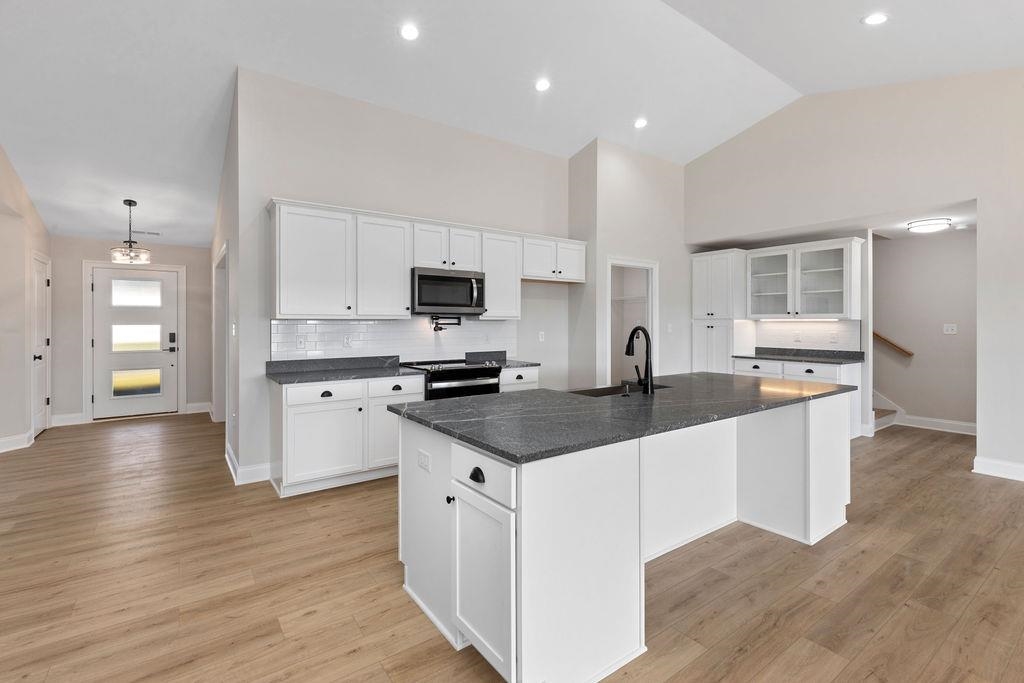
(127, 553)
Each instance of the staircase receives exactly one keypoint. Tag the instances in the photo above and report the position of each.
(884, 417)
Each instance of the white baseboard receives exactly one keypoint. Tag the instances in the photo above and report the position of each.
(16, 442)
(867, 429)
(999, 468)
(937, 424)
(67, 419)
(203, 407)
(245, 474)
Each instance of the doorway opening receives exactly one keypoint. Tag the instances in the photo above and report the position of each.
(632, 301)
(219, 399)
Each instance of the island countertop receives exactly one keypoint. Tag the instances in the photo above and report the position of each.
(525, 426)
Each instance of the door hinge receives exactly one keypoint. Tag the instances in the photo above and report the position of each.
(92, 399)
(47, 341)
(92, 343)
(47, 400)
(92, 287)
(47, 282)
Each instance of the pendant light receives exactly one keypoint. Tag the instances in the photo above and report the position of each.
(130, 251)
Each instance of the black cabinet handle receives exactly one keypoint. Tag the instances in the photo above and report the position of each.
(34, 357)
(325, 394)
(407, 308)
(449, 499)
(797, 313)
(559, 272)
(552, 271)
(360, 409)
(444, 262)
(809, 371)
(755, 367)
(348, 308)
(519, 376)
(788, 313)
(397, 387)
(477, 475)
(453, 263)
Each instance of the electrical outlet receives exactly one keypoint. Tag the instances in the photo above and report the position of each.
(423, 460)
(540, 336)
(833, 338)
(300, 343)
(796, 335)
(347, 341)
(950, 328)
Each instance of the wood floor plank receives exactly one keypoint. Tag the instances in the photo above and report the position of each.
(804, 660)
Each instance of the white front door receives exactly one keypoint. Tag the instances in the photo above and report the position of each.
(135, 342)
(40, 343)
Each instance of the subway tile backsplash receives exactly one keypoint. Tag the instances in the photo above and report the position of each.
(841, 335)
(412, 339)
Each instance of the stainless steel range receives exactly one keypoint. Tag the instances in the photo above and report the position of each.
(450, 378)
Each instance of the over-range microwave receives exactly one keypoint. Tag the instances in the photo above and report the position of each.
(455, 292)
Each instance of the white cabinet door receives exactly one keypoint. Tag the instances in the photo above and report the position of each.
(502, 268)
(464, 249)
(822, 281)
(315, 263)
(721, 286)
(720, 347)
(324, 440)
(770, 286)
(540, 258)
(700, 283)
(485, 579)
(384, 249)
(430, 245)
(572, 261)
(700, 359)
(382, 430)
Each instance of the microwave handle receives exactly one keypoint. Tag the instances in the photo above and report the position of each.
(475, 291)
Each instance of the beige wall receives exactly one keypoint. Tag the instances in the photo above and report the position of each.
(303, 143)
(874, 151)
(921, 283)
(67, 254)
(21, 232)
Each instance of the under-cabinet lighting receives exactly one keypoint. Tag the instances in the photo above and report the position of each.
(802, 320)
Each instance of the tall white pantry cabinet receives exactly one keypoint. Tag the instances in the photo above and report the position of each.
(718, 298)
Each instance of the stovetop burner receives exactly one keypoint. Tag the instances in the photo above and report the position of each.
(437, 365)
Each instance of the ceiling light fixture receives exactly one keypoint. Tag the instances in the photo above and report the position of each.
(409, 31)
(129, 252)
(542, 84)
(875, 19)
(929, 225)
(962, 226)
(640, 123)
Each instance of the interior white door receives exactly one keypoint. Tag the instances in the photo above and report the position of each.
(40, 344)
(136, 343)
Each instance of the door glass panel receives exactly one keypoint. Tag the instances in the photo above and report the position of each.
(821, 282)
(135, 293)
(769, 284)
(135, 338)
(135, 382)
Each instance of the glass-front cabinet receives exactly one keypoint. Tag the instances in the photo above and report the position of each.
(815, 280)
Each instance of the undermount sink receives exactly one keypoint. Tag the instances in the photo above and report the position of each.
(616, 390)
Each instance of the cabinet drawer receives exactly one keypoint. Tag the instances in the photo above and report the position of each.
(760, 367)
(395, 386)
(520, 375)
(819, 371)
(319, 393)
(499, 481)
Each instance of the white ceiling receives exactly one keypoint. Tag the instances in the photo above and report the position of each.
(821, 45)
(114, 98)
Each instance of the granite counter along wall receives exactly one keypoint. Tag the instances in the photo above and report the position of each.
(412, 339)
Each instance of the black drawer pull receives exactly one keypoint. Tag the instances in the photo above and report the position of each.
(397, 387)
(326, 394)
(519, 376)
(809, 371)
(755, 367)
(477, 475)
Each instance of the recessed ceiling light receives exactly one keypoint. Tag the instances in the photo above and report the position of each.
(875, 18)
(929, 225)
(542, 84)
(640, 123)
(409, 31)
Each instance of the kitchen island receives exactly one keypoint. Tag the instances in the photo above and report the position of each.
(526, 518)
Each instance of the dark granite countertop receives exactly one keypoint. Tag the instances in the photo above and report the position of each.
(511, 364)
(826, 356)
(336, 369)
(524, 426)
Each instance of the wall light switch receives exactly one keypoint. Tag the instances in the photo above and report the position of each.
(949, 328)
(540, 336)
(423, 460)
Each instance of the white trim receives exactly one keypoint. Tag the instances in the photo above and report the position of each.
(653, 305)
(867, 429)
(245, 474)
(67, 419)
(48, 421)
(677, 545)
(201, 407)
(287, 490)
(618, 664)
(999, 468)
(87, 311)
(17, 442)
(936, 424)
(438, 624)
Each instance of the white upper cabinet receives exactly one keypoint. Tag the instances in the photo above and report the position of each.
(547, 259)
(813, 280)
(718, 283)
(315, 262)
(384, 248)
(438, 246)
(502, 266)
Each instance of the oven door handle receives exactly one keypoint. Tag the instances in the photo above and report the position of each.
(462, 383)
(476, 292)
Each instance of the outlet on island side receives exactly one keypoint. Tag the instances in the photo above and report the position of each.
(950, 328)
(540, 336)
(423, 460)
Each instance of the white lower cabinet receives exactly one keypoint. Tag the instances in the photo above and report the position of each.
(484, 581)
(712, 346)
(519, 379)
(331, 434)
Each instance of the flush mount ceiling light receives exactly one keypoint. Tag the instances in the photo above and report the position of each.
(542, 84)
(640, 123)
(875, 19)
(409, 31)
(929, 225)
(129, 251)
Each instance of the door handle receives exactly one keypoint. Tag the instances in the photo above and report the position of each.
(35, 357)
(171, 349)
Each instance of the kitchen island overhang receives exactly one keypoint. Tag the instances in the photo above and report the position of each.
(526, 519)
